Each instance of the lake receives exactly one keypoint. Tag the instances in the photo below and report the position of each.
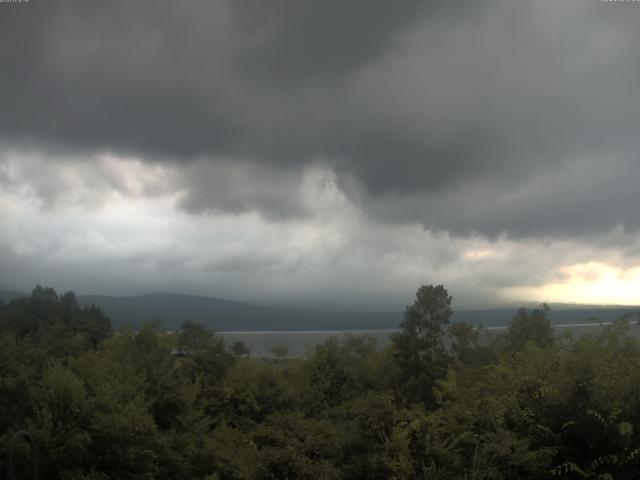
(298, 342)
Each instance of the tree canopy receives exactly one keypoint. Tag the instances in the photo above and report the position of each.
(441, 401)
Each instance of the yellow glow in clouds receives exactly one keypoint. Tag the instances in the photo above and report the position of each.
(587, 283)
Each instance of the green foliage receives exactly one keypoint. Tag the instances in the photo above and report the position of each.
(471, 345)
(240, 349)
(280, 351)
(255, 390)
(339, 370)
(207, 355)
(291, 446)
(440, 402)
(194, 337)
(45, 315)
(530, 326)
(419, 348)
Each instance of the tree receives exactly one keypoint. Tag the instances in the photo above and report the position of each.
(206, 351)
(418, 347)
(280, 351)
(339, 369)
(240, 348)
(530, 326)
(45, 315)
(193, 337)
(471, 345)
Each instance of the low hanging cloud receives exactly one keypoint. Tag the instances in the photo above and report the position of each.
(116, 237)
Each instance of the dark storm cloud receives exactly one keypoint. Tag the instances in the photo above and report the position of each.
(241, 187)
(171, 79)
(595, 195)
(456, 116)
(295, 40)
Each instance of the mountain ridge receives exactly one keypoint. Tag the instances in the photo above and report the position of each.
(171, 309)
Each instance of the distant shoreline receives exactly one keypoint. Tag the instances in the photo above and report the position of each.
(382, 330)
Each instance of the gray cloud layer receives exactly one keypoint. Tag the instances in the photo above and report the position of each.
(488, 117)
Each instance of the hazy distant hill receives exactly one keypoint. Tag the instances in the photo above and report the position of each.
(226, 315)
(7, 296)
(578, 314)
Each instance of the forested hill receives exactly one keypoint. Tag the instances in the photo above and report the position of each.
(225, 315)
(6, 295)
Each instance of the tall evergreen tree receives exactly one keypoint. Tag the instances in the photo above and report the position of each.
(418, 347)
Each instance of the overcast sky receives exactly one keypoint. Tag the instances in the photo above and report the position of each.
(336, 154)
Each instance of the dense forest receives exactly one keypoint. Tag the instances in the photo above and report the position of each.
(442, 401)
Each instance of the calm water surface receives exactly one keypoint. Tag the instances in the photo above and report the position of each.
(298, 342)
